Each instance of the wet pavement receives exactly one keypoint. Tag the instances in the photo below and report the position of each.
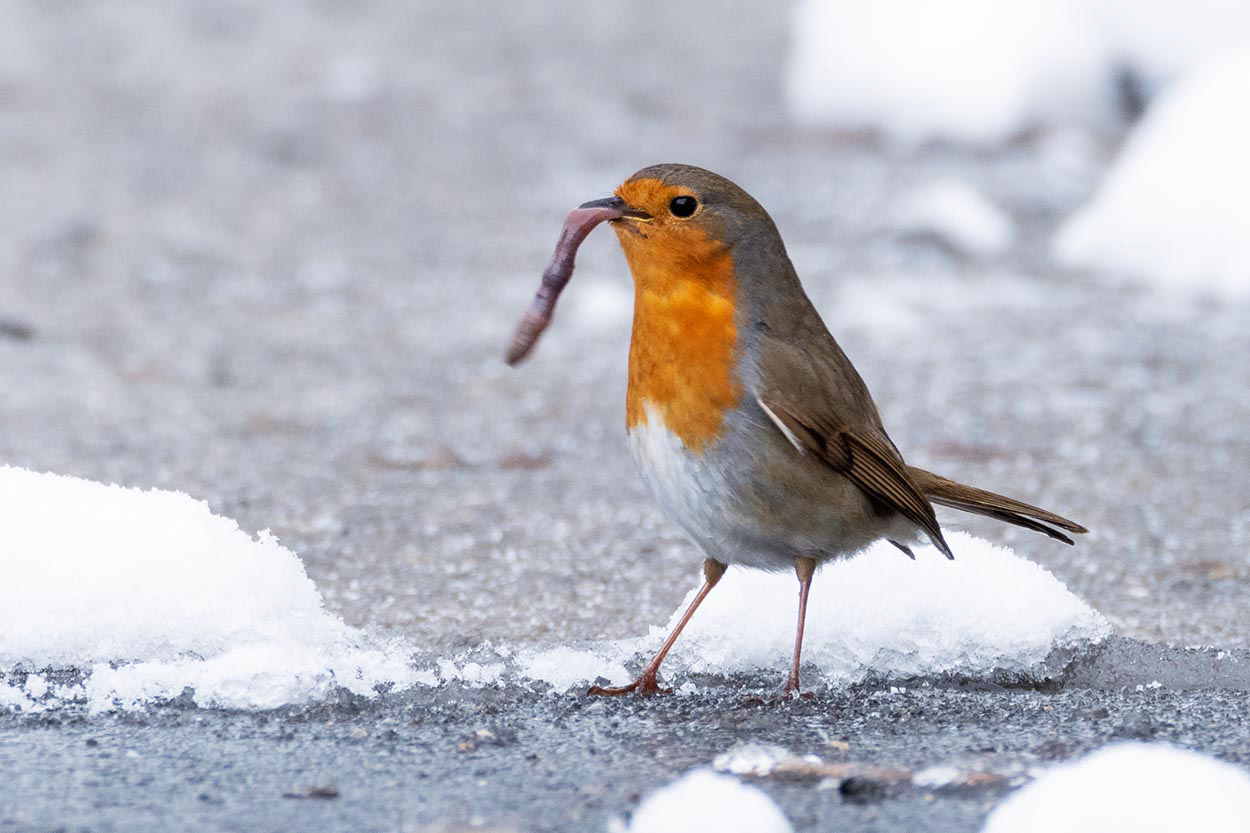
(270, 256)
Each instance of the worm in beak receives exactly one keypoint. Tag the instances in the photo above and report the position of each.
(577, 225)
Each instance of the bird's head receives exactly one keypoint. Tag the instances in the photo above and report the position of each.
(674, 222)
(682, 213)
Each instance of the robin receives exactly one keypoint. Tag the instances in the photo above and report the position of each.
(749, 425)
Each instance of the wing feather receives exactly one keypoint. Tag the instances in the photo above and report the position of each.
(865, 456)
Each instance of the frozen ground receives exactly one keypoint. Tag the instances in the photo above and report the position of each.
(269, 255)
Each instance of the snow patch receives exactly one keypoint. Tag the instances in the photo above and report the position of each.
(705, 802)
(882, 613)
(11, 696)
(154, 594)
(1171, 211)
(564, 667)
(879, 614)
(756, 759)
(957, 216)
(976, 71)
(1131, 788)
(936, 777)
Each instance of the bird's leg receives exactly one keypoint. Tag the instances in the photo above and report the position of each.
(804, 568)
(646, 682)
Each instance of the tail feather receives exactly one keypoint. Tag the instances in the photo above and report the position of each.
(946, 492)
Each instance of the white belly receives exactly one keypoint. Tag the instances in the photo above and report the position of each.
(700, 494)
(738, 515)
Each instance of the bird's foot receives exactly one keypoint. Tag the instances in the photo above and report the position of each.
(644, 686)
(790, 691)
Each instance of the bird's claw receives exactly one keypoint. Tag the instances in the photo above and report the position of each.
(644, 686)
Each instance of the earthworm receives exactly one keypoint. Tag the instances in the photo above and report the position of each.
(576, 226)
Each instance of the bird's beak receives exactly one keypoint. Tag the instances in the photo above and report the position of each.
(624, 210)
(576, 226)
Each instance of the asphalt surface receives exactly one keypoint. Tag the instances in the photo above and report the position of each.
(270, 254)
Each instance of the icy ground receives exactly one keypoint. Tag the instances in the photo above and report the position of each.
(268, 255)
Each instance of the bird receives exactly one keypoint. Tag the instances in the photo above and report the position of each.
(749, 425)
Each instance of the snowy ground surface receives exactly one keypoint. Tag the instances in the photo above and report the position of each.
(268, 255)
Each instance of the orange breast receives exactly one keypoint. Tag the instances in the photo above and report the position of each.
(683, 355)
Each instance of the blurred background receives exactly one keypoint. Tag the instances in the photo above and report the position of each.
(270, 253)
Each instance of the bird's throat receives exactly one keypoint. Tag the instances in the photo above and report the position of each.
(684, 352)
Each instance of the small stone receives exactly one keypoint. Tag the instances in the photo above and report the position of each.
(320, 792)
(859, 789)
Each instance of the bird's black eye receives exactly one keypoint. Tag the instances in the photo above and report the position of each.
(683, 206)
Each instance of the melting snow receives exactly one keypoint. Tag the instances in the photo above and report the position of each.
(153, 593)
(1172, 208)
(1131, 788)
(705, 802)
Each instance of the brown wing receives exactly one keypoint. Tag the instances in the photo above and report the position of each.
(815, 395)
(863, 454)
(812, 392)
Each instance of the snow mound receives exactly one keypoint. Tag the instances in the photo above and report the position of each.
(1131, 788)
(975, 71)
(988, 612)
(957, 216)
(1171, 211)
(705, 802)
(150, 593)
(882, 613)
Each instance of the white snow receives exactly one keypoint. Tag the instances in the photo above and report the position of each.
(705, 802)
(12, 696)
(955, 214)
(1172, 209)
(751, 758)
(976, 71)
(934, 777)
(564, 667)
(878, 613)
(881, 612)
(985, 71)
(1131, 788)
(153, 593)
